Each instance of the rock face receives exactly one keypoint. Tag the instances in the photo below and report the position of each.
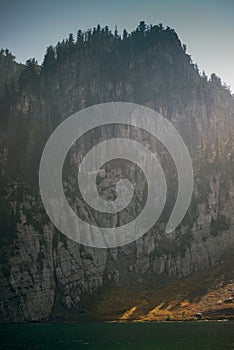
(43, 274)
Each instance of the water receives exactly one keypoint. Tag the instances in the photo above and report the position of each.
(116, 336)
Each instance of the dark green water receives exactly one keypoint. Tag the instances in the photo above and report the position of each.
(113, 336)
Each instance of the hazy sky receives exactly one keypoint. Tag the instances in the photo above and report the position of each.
(205, 26)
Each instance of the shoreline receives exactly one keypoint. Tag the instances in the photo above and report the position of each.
(228, 320)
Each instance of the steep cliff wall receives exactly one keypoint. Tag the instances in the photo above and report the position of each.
(43, 273)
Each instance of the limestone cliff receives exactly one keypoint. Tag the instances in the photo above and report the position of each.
(43, 274)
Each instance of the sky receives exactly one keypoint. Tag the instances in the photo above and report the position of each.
(28, 27)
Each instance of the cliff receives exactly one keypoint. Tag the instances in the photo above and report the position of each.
(43, 274)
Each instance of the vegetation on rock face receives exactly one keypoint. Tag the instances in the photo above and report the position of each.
(148, 66)
(10, 71)
(206, 295)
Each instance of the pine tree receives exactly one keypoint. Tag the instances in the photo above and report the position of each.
(125, 34)
(49, 58)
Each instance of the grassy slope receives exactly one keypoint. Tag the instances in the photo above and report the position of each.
(179, 300)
